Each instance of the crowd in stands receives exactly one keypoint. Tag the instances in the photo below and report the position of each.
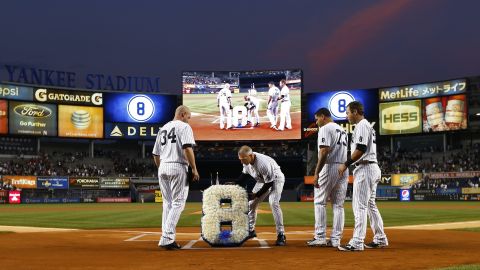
(277, 151)
(115, 163)
(447, 183)
(207, 79)
(425, 160)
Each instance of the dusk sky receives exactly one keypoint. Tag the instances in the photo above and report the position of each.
(338, 44)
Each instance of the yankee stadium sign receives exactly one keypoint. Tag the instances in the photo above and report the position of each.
(94, 81)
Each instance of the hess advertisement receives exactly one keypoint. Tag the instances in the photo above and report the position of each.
(400, 117)
(445, 113)
(80, 121)
(135, 116)
(336, 102)
(32, 119)
(3, 117)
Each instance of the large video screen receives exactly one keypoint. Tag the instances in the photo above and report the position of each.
(244, 105)
(336, 102)
(428, 107)
(27, 118)
(80, 121)
(445, 113)
(135, 116)
(402, 117)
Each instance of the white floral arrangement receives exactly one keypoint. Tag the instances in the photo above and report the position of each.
(214, 215)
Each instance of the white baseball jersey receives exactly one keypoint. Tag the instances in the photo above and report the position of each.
(170, 141)
(223, 95)
(333, 136)
(264, 169)
(274, 92)
(285, 92)
(366, 177)
(254, 101)
(172, 174)
(365, 134)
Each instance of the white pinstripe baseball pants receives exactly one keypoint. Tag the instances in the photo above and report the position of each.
(335, 187)
(366, 178)
(274, 195)
(174, 188)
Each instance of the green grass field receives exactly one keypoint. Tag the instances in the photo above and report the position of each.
(135, 215)
(207, 103)
(461, 267)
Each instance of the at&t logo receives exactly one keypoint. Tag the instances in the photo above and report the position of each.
(140, 108)
(338, 104)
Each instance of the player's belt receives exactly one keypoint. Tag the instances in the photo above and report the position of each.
(364, 162)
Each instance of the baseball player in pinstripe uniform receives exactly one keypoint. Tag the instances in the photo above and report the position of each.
(285, 120)
(366, 177)
(270, 180)
(332, 150)
(224, 103)
(172, 154)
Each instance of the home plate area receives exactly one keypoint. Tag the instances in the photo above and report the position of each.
(190, 240)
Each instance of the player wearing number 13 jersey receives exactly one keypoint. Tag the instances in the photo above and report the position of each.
(173, 154)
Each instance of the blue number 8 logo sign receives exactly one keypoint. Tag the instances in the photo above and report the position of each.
(140, 108)
(338, 104)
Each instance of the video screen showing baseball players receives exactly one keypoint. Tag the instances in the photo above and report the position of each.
(244, 105)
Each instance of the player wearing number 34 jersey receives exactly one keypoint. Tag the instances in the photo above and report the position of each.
(173, 154)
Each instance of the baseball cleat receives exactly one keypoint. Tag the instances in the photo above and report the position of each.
(348, 247)
(281, 240)
(171, 246)
(321, 243)
(252, 234)
(375, 245)
(317, 243)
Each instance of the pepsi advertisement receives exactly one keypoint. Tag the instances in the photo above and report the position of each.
(336, 102)
(137, 116)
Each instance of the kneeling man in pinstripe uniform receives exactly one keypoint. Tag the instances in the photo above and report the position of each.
(270, 180)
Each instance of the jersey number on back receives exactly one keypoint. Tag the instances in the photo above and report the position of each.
(171, 136)
(342, 138)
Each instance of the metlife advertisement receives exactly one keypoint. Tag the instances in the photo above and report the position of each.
(336, 102)
(137, 116)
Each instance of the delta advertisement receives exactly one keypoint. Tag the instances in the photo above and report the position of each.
(445, 113)
(32, 119)
(399, 180)
(137, 116)
(52, 182)
(3, 117)
(80, 121)
(336, 102)
(402, 117)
